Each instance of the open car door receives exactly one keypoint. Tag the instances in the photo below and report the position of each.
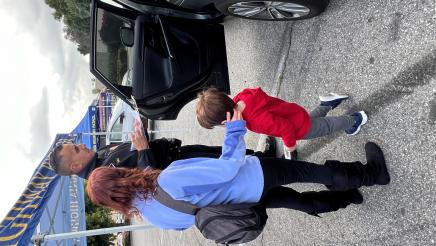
(169, 60)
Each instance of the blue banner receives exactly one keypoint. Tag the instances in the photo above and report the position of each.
(87, 126)
(55, 203)
(65, 211)
(19, 224)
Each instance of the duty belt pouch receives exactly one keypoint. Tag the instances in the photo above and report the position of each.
(174, 151)
(166, 150)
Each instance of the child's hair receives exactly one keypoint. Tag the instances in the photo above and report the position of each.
(212, 107)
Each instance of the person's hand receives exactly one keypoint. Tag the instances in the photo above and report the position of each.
(290, 149)
(237, 115)
(138, 138)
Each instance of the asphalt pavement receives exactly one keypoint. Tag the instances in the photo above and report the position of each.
(382, 54)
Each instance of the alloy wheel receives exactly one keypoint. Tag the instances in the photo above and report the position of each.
(269, 10)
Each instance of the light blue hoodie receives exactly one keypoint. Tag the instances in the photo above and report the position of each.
(233, 178)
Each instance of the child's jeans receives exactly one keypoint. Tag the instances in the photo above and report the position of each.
(322, 125)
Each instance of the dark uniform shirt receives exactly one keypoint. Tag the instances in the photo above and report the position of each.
(121, 156)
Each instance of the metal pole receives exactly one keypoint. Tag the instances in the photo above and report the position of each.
(40, 238)
(152, 131)
(174, 130)
(105, 106)
(102, 133)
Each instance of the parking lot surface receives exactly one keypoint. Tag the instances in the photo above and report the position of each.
(381, 53)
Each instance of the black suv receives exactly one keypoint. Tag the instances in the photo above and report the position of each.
(172, 49)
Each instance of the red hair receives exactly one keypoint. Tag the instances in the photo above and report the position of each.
(116, 188)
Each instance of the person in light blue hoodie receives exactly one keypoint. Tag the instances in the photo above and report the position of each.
(234, 178)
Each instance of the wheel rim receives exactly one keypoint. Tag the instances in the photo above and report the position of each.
(268, 10)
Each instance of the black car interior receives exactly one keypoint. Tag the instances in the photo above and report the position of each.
(171, 59)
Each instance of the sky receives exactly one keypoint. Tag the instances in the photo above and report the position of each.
(46, 88)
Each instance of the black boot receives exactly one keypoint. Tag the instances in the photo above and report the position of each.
(355, 174)
(377, 164)
(329, 201)
(270, 147)
(312, 202)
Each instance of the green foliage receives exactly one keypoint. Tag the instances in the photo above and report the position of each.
(76, 17)
(97, 218)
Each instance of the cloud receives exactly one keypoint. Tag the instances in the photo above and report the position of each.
(35, 17)
(39, 128)
(76, 81)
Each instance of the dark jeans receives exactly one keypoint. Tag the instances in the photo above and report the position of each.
(278, 172)
(197, 150)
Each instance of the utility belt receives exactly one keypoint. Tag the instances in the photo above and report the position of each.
(166, 150)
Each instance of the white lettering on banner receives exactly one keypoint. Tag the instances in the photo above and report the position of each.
(74, 208)
(93, 130)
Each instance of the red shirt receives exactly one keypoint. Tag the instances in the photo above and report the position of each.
(273, 116)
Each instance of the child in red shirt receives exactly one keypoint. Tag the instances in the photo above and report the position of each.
(275, 117)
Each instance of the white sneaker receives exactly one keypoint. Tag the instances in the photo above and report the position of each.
(362, 118)
(287, 155)
(332, 100)
(331, 97)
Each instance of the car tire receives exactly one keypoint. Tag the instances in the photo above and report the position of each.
(280, 10)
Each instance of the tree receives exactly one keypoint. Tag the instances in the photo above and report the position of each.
(97, 218)
(76, 17)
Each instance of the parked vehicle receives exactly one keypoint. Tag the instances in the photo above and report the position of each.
(121, 123)
(172, 49)
(279, 10)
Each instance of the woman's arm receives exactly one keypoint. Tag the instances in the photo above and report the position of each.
(234, 144)
(200, 175)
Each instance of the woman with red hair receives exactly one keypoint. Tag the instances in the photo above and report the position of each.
(234, 178)
(117, 187)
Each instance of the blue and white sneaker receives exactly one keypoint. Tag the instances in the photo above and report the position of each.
(361, 118)
(332, 100)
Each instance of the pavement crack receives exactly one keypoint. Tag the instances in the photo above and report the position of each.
(432, 113)
(395, 27)
(278, 78)
(284, 53)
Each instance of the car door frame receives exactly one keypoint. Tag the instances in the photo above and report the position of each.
(171, 10)
(119, 90)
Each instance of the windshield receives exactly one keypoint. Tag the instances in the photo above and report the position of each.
(116, 131)
(112, 57)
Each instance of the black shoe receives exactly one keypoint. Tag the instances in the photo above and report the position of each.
(377, 164)
(270, 147)
(354, 196)
(294, 155)
(329, 201)
(360, 119)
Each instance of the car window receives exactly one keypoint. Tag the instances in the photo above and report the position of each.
(112, 57)
(116, 131)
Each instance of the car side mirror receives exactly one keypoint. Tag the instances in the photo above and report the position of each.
(127, 36)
